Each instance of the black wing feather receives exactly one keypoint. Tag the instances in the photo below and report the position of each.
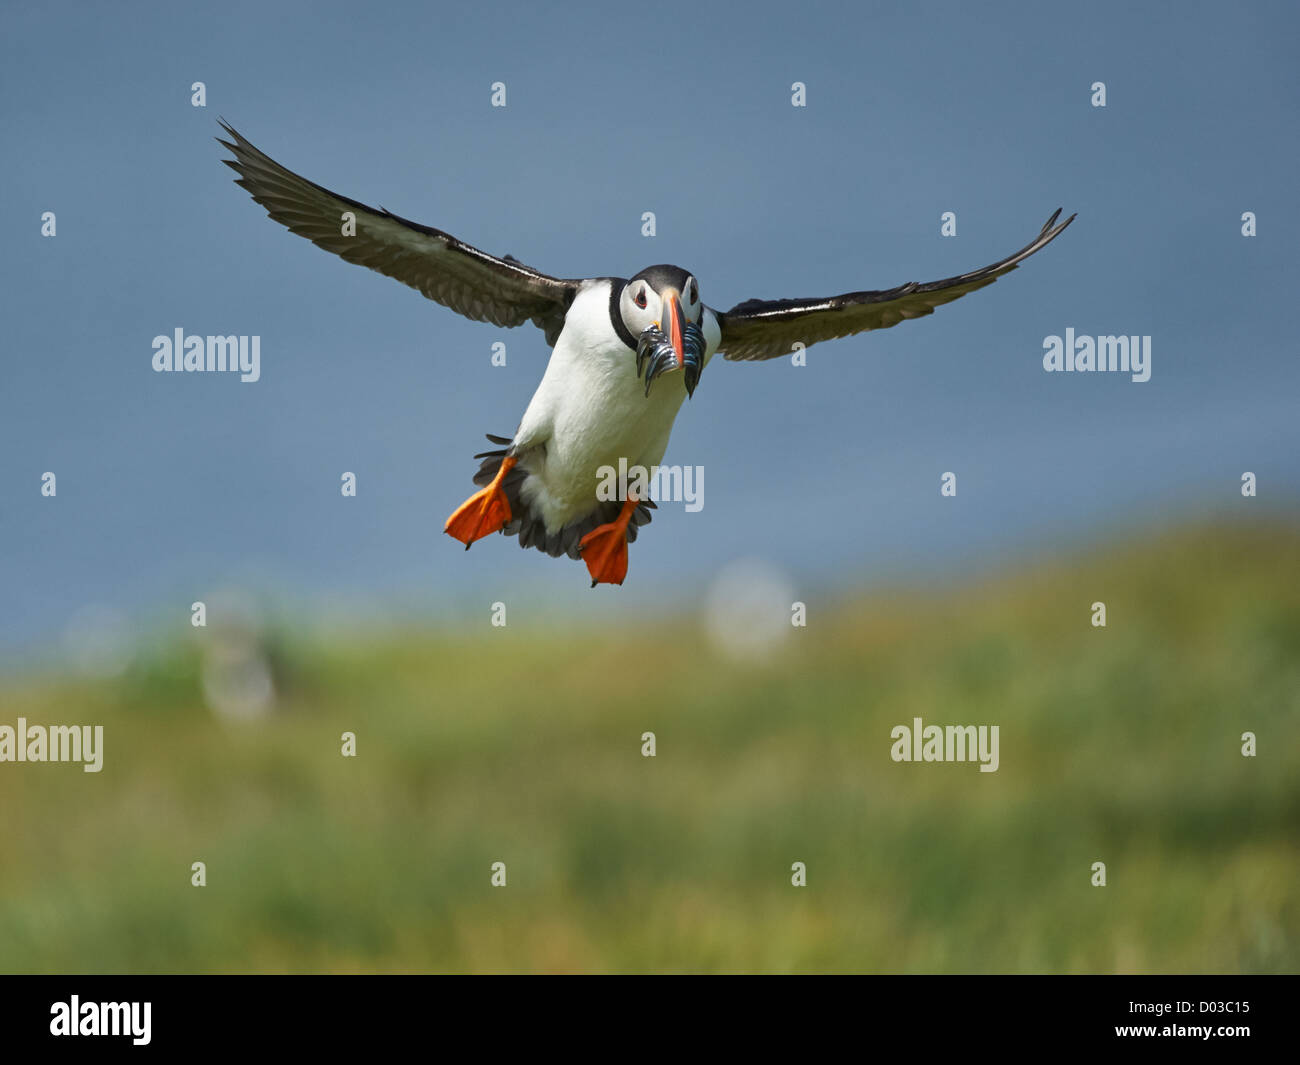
(471, 282)
(766, 329)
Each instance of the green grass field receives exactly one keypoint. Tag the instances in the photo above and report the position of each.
(1120, 745)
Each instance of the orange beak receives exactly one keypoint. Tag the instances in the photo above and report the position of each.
(674, 323)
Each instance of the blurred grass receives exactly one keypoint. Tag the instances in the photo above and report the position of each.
(523, 745)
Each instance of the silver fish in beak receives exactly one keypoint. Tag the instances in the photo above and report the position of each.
(656, 354)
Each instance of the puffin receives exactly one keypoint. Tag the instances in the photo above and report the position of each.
(625, 354)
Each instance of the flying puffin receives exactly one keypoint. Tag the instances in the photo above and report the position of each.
(626, 353)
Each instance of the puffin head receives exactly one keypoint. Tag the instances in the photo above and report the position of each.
(661, 309)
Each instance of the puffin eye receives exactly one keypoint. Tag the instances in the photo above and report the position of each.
(693, 294)
(639, 299)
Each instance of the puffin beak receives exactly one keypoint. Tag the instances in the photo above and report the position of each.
(674, 324)
(672, 343)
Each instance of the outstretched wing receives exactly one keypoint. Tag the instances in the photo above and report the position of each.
(765, 329)
(504, 292)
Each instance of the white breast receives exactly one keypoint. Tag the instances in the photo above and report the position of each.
(591, 410)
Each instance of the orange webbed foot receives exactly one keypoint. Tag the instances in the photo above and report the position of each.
(604, 549)
(485, 512)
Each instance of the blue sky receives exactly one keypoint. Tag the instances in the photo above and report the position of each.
(172, 485)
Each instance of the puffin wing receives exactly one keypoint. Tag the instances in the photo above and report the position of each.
(480, 286)
(766, 329)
